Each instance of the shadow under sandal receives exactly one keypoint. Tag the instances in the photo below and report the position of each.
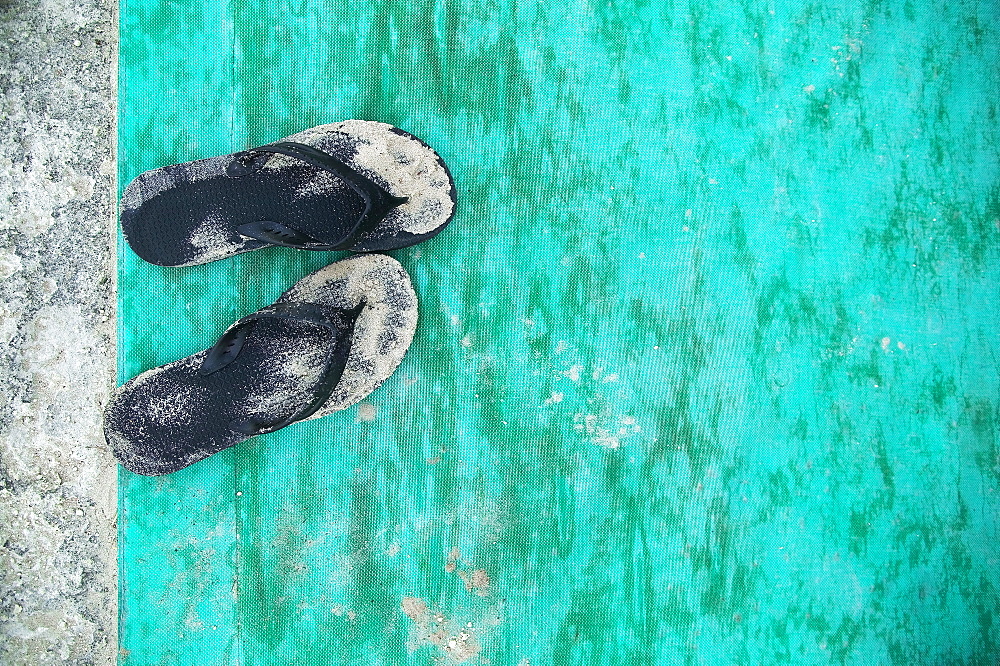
(324, 345)
(355, 185)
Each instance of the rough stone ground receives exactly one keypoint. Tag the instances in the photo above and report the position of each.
(57, 476)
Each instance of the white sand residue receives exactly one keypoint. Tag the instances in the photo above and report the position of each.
(384, 329)
(451, 563)
(401, 164)
(321, 183)
(295, 368)
(212, 239)
(173, 403)
(366, 412)
(415, 608)
(148, 184)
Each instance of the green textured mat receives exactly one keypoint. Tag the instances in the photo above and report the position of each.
(706, 371)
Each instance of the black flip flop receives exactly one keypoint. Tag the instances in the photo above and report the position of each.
(324, 345)
(355, 185)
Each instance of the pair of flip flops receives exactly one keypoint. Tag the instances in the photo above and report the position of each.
(327, 342)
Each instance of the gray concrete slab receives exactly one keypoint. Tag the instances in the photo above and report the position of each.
(57, 355)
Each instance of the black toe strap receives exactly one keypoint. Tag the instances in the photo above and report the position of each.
(337, 320)
(378, 202)
(276, 233)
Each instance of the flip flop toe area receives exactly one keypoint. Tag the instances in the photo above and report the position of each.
(401, 164)
(383, 330)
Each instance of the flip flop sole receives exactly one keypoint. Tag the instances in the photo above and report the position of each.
(188, 214)
(173, 416)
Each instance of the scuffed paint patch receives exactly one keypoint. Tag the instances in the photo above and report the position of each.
(456, 643)
(477, 581)
(606, 429)
(452, 561)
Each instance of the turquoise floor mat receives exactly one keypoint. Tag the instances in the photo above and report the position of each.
(706, 371)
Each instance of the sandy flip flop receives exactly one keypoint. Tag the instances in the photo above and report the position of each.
(355, 185)
(324, 345)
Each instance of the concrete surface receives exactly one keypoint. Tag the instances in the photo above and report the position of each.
(57, 344)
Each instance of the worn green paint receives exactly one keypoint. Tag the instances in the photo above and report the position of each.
(706, 371)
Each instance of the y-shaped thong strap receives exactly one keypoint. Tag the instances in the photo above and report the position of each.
(338, 321)
(377, 201)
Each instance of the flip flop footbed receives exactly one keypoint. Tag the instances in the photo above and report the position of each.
(172, 416)
(188, 214)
